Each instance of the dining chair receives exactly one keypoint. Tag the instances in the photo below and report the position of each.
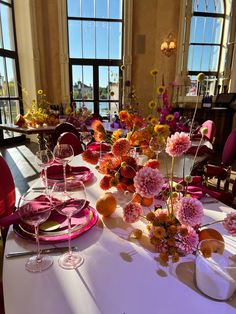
(211, 127)
(73, 140)
(7, 195)
(61, 128)
(222, 172)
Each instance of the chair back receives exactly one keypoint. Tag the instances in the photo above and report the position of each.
(73, 140)
(210, 125)
(7, 190)
(64, 127)
(229, 151)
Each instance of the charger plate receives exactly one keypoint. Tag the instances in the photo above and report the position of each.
(55, 229)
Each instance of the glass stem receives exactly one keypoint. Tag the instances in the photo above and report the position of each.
(46, 179)
(64, 175)
(39, 258)
(69, 235)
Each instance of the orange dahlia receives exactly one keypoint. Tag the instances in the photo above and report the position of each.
(90, 156)
(121, 147)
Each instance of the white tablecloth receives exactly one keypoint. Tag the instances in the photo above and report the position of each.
(118, 276)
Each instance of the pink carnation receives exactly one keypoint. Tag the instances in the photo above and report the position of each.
(178, 144)
(189, 211)
(131, 212)
(148, 182)
(230, 223)
(187, 244)
(120, 147)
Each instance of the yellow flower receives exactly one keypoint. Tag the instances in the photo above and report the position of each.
(116, 134)
(200, 77)
(152, 104)
(154, 121)
(149, 118)
(161, 89)
(162, 129)
(170, 117)
(154, 72)
(159, 232)
(40, 91)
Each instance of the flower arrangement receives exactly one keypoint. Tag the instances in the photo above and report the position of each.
(78, 117)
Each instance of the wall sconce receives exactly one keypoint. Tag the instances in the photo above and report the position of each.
(168, 47)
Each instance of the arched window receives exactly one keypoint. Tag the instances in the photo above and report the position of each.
(205, 41)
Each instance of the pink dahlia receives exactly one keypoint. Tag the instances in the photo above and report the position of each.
(148, 182)
(178, 144)
(131, 212)
(189, 211)
(121, 147)
(230, 223)
(187, 244)
(152, 163)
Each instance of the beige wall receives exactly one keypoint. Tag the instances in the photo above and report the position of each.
(154, 19)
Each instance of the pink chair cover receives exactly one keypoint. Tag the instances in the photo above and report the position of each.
(229, 151)
(210, 125)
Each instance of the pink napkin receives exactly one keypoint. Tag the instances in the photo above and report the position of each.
(203, 150)
(99, 146)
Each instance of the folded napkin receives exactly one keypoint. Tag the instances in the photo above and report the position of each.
(203, 150)
(99, 146)
(55, 171)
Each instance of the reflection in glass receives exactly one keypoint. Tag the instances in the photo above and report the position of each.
(7, 29)
(88, 31)
(3, 85)
(15, 109)
(115, 40)
(104, 109)
(102, 40)
(75, 41)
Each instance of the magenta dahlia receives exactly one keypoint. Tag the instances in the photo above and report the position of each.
(148, 182)
(187, 244)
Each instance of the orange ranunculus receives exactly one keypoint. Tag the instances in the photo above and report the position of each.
(124, 115)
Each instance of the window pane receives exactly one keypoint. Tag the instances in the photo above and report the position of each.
(82, 78)
(15, 109)
(211, 6)
(114, 83)
(11, 74)
(87, 8)
(7, 29)
(104, 109)
(3, 80)
(115, 40)
(101, 9)
(102, 40)
(215, 58)
(73, 7)
(88, 39)
(103, 82)
(75, 41)
(88, 105)
(206, 30)
(115, 9)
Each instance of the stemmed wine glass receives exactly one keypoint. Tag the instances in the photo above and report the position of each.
(156, 144)
(44, 158)
(68, 203)
(34, 208)
(86, 137)
(63, 154)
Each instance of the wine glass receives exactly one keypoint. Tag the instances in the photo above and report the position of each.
(34, 208)
(86, 137)
(63, 154)
(44, 158)
(68, 203)
(156, 144)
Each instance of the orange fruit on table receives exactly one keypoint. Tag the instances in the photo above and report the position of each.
(210, 233)
(147, 201)
(106, 204)
(137, 198)
(215, 243)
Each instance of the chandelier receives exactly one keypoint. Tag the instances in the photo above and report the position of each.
(168, 47)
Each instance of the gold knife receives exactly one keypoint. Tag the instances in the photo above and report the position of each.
(44, 251)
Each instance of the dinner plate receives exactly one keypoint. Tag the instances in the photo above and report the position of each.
(55, 229)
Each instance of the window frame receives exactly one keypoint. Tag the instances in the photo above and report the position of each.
(95, 63)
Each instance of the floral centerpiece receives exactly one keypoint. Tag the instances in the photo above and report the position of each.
(77, 117)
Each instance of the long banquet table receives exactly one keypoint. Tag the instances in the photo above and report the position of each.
(119, 275)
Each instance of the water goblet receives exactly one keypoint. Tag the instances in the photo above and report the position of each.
(63, 154)
(156, 144)
(34, 208)
(86, 137)
(68, 203)
(44, 158)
